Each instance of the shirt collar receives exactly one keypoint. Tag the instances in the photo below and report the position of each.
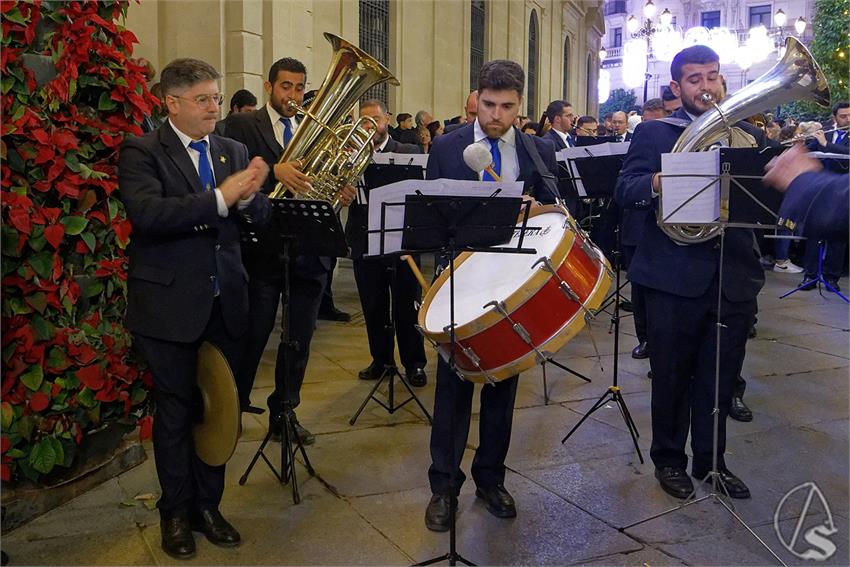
(383, 144)
(186, 140)
(561, 134)
(508, 137)
(275, 116)
(691, 116)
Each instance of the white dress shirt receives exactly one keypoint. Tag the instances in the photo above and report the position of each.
(563, 136)
(507, 147)
(277, 125)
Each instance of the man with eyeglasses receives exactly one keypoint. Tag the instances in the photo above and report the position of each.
(188, 193)
(587, 126)
(267, 132)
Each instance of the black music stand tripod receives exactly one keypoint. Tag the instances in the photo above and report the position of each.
(602, 186)
(310, 227)
(448, 225)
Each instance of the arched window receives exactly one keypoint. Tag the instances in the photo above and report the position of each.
(532, 66)
(375, 39)
(477, 54)
(567, 68)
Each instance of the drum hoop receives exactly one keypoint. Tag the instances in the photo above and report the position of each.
(557, 341)
(519, 297)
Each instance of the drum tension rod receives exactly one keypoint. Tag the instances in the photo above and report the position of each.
(467, 352)
(562, 284)
(517, 327)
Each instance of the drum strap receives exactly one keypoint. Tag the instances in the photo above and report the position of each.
(550, 194)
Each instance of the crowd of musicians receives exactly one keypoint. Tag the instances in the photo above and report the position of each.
(195, 184)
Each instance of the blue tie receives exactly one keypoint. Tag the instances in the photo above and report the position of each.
(204, 168)
(497, 160)
(839, 139)
(287, 131)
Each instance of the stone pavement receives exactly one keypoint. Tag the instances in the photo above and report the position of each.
(366, 505)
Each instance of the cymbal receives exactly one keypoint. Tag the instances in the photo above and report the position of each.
(216, 434)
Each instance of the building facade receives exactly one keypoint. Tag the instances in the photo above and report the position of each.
(434, 47)
(739, 16)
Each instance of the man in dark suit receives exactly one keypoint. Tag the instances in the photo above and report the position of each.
(375, 282)
(680, 286)
(500, 87)
(560, 115)
(266, 132)
(619, 126)
(838, 141)
(816, 202)
(242, 101)
(187, 192)
(470, 109)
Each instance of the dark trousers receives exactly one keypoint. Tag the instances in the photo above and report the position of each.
(186, 481)
(682, 332)
(833, 262)
(265, 293)
(638, 300)
(327, 303)
(452, 414)
(374, 277)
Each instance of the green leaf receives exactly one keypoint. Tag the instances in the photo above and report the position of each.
(44, 329)
(94, 288)
(26, 469)
(74, 224)
(73, 162)
(72, 88)
(15, 453)
(68, 381)
(37, 240)
(9, 350)
(112, 205)
(105, 102)
(58, 450)
(88, 238)
(86, 398)
(38, 301)
(14, 15)
(19, 113)
(33, 377)
(19, 306)
(9, 241)
(42, 263)
(127, 504)
(7, 84)
(56, 358)
(7, 414)
(43, 456)
(69, 449)
(138, 396)
(25, 427)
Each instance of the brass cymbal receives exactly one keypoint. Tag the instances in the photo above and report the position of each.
(216, 434)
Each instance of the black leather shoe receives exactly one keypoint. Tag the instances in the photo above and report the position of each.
(372, 372)
(834, 284)
(641, 351)
(177, 538)
(812, 283)
(753, 332)
(218, 530)
(417, 378)
(306, 437)
(437, 514)
(739, 410)
(334, 314)
(649, 375)
(675, 481)
(498, 501)
(627, 306)
(734, 486)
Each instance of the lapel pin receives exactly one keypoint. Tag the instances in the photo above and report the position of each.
(223, 159)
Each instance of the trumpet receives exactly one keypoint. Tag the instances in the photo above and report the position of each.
(804, 137)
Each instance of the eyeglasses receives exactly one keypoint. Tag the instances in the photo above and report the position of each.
(204, 99)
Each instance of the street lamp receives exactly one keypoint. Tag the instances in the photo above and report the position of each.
(666, 18)
(649, 9)
(779, 18)
(645, 31)
(800, 25)
(603, 53)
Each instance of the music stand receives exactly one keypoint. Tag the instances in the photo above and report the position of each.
(729, 157)
(296, 227)
(599, 175)
(378, 175)
(448, 225)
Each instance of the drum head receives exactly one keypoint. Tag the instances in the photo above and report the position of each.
(484, 277)
(216, 435)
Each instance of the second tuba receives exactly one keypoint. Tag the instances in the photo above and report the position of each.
(332, 152)
(796, 76)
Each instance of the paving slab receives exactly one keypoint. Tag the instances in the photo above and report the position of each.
(834, 342)
(116, 547)
(770, 358)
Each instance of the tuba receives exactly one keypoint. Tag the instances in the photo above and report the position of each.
(796, 76)
(331, 152)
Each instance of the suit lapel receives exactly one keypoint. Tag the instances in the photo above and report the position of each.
(264, 125)
(526, 165)
(177, 153)
(220, 161)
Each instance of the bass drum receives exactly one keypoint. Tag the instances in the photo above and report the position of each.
(513, 310)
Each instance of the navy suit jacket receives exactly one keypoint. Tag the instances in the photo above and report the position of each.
(445, 161)
(557, 140)
(818, 202)
(659, 262)
(180, 244)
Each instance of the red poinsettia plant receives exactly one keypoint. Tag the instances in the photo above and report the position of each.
(67, 364)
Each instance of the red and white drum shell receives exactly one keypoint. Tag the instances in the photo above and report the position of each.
(538, 312)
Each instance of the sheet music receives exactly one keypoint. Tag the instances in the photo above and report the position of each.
(567, 155)
(396, 192)
(391, 158)
(705, 207)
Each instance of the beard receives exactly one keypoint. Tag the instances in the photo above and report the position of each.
(695, 106)
(282, 107)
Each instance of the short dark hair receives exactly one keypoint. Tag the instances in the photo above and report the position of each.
(667, 94)
(609, 116)
(287, 64)
(693, 55)
(587, 119)
(242, 98)
(184, 73)
(501, 75)
(374, 102)
(839, 105)
(555, 108)
(531, 126)
(653, 104)
(402, 116)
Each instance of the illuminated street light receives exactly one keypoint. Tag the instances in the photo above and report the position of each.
(800, 25)
(603, 53)
(667, 18)
(779, 18)
(632, 24)
(649, 9)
